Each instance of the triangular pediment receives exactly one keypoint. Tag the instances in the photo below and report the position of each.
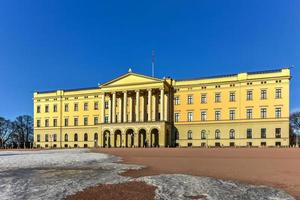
(131, 79)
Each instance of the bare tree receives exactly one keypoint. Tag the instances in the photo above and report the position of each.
(23, 131)
(6, 132)
(295, 127)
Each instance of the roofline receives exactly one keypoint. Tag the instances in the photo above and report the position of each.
(232, 75)
(67, 90)
(129, 73)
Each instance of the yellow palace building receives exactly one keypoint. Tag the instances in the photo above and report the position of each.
(134, 110)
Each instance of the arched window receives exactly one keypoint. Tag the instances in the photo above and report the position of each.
(96, 136)
(203, 134)
(218, 134)
(76, 137)
(86, 137)
(190, 135)
(231, 134)
(54, 137)
(66, 137)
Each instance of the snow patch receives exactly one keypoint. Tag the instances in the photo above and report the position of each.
(56, 174)
(179, 186)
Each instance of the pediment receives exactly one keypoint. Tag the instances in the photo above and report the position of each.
(131, 79)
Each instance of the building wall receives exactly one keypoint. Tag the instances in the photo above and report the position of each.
(239, 84)
(177, 129)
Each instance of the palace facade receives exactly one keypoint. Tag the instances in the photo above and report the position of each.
(133, 110)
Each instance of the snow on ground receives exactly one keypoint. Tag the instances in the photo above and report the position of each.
(178, 186)
(55, 174)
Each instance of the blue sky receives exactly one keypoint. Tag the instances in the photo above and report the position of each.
(53, 44)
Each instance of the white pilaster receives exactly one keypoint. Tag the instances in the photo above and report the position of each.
(150, 105)
(125, 107)
(103, 108)
(162, 104)
(114, 107)
(137, 106)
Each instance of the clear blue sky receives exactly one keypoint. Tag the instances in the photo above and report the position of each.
(55, 44)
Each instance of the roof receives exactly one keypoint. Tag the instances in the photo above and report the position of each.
(68, 90)
(231, 75)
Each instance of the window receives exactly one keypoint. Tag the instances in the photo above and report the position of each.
(263, 94)
(231, 114)
(278, 133)
(232, 96)
(190, 116)
(263, 133)
(190, 99)
(86, 137)
(263, 113)
(96, 121)
(66, 107)
(217, 134)
(106, 104)
(249, 133)
(46, 108)
(203, 98)
(54, 122)
(218, 97)
(176, 100)
(96, 106)
(54, 137)
(231, 134)
(278, 93)
(55, 108)
(203, 116)
(46, 122)
(38, 123)
(75, 121)
(249, 113)
(75, 106)
(38, 137)
(95, 136)
(177, 117)
(277, 112)
(106, 119)
(46, 138)
(76, 137)
(249, 95)
(85, 106)
(66, 122)
(66, 137)
(85, 121)
(217, 115)
(190, 135)
(203, 134)
(38, 109)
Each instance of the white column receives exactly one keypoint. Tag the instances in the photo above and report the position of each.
(162, 104)
(120, 110)
(114, 107)
(109, 109)
(154, 102)
(142, 117)
(167, 108)
(125, 107)
(137, 106)
(150, 105)
(130, 109)
(103, 108)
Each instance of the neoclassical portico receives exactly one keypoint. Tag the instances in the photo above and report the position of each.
(136, 111)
